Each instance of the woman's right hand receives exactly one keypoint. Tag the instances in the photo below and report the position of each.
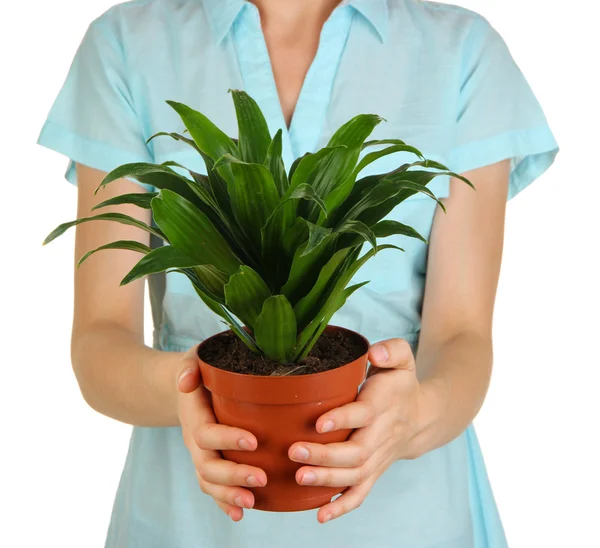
(221, 479)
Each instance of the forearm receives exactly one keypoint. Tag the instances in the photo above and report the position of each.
(122, 378)
(455, 376)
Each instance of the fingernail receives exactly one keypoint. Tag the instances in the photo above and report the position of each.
(253, 482)
(244, 445)
(239, 502)
(380, 353)
(184, 375)
(300, 453)
(309, 478)
(327, 518)
(327, 427)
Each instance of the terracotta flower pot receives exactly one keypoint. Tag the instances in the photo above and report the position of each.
(280, 411)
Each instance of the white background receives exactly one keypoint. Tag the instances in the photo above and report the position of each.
(61, 461)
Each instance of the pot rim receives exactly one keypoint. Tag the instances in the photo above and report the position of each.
(321, 374)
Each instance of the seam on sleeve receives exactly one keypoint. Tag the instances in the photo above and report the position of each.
(531, 151)
(85, 151)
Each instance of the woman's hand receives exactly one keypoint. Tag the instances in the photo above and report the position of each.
(393, 415)
(205, 438)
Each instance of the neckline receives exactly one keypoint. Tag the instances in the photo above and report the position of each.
(306, 125)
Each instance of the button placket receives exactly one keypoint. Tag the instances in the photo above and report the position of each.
(315, 95)
(257, 74)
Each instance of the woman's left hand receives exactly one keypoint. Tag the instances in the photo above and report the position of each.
(393, 416)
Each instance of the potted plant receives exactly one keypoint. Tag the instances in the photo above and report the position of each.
(272, 253)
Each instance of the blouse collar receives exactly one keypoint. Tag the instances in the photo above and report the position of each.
(222, 14)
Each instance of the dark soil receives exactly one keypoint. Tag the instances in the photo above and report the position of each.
(332, 350)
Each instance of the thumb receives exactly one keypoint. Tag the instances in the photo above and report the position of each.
(189, 378)
(392, 354)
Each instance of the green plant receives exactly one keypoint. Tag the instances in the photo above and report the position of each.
(270, 250)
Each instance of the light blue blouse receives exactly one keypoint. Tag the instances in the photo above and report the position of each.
(445, 82)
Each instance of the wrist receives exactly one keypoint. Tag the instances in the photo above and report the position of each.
(433, 409)
(163, 375)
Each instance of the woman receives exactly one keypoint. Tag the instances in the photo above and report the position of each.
(445, 82)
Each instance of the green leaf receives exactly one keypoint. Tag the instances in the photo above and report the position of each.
(337, 197)
(361, 229)
(221, 311)
(432, 164)
(275, 329)
(376, 201)
(407, 181)
(305, 268)
(191, 231)
(307, 192)
(305, 167)
(244, 336)
(131, 245)
(409, 174)
(386, 228)
(338, 187)
(254, 196)
(213, 279)
(372, 196)
(140, 199)
(254, 136)
(159, 260)
(337, 303)
(218, 184)
(346, 272)
(274, 163)
(378, 142)
(207, 299)
(294, 236)
(272, 242)
(316, 235)
(197, 277)
(200, 179)
(117, 217)
(296, 163)
(304, 307)
(354, 132)
(176, 137)
(218, 210)
(331, 171)
(245, 294)
(374, 156)
(202, 189)
(156, 175)
(207, 136)
(197, 191)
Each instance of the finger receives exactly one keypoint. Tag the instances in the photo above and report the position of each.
(218, 437)
(232, 510)
(331, 477)
(353, 497)
(223, 472)
(189, 378)
(195, 411)
(350, 500)
(392, 354)
(345, 455)
(388, 388)
(233, 496)
(357, 414)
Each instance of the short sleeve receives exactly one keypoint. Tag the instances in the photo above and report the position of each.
(93, 119)
(498, 114)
